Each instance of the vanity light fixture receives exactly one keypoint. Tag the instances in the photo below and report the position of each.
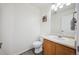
(56, 6)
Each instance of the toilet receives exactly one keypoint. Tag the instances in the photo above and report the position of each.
(37, 45)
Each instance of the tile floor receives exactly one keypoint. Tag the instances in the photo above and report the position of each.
(30, 52)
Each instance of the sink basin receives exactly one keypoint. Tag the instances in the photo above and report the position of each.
(52, 36)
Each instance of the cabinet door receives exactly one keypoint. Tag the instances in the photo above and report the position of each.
(48, 48)
(59, 49)
(63, 50)
(69, 51)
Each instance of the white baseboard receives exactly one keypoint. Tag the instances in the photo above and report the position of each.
(23, 51)
(17, 53)
(20, 52)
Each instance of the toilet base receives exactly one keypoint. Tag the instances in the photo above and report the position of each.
(38, 53)
(41, 53)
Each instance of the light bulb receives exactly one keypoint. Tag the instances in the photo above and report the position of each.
(67, 4)
(61, 6)
(55, 9)
(53, 6)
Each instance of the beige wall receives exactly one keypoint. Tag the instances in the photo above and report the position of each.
(20, 27)
(45, 27)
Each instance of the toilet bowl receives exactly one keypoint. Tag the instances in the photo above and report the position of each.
(37, 46)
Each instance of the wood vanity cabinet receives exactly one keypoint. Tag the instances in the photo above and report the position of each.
(52, 48)
(48, 47)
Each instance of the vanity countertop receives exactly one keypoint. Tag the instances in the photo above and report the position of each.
(61, 40)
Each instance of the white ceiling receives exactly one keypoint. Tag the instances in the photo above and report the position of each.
(41, 5)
